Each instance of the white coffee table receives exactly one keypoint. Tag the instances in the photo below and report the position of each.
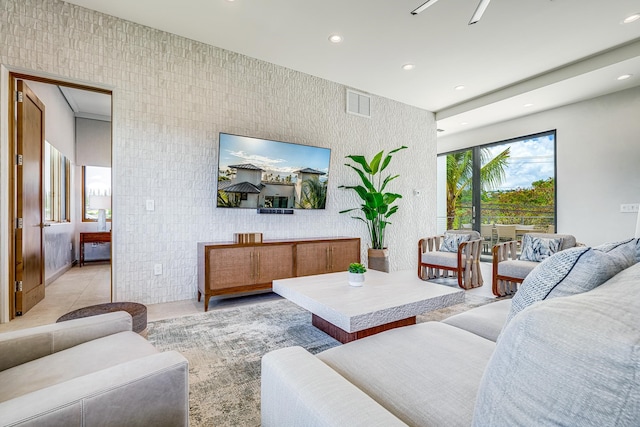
(386, 301)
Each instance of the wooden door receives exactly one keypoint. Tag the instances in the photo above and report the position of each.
(28, 254)
(273, 262)
(342, 253)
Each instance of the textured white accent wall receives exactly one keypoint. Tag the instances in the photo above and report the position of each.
(171, 97)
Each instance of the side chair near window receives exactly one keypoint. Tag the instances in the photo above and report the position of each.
(488, 233)
(505, 232)
(510, 269)
(457, 251)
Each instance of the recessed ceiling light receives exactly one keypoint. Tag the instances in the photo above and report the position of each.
(631, 18)
(624, 76)
(527, 105)
(464, 124)
(335, 38)
(459, 87)
(408, 67)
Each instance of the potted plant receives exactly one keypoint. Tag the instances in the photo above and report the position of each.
(356, 274)
(377, 206)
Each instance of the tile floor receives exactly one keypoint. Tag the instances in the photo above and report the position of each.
(89, 285)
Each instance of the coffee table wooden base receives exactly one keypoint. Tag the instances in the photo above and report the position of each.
(345, 337)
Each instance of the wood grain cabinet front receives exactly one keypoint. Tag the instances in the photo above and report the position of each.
(229, 268)
(326, 256)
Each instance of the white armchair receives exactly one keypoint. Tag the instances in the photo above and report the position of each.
(90, 371)
(509, 270)
(457, 251)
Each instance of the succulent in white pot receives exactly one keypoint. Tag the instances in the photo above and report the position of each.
(356, 274)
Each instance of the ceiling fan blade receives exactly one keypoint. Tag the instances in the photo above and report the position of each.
(482, 6)
(423, 6)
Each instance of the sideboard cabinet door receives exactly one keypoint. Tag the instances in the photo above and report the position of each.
(327, 256)
(273, 262)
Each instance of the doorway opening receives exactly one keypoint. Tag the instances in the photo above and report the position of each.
(56, 128)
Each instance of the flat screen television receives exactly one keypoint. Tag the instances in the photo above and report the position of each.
(258, 173)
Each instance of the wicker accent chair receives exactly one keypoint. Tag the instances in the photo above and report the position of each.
(465, 263)
(509, 271)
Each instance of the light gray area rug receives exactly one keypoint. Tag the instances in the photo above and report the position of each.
(224, 348)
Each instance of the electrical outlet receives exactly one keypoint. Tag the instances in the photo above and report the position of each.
(630, 207)
(157, 269)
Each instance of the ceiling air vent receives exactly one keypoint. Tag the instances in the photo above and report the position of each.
(358, 103)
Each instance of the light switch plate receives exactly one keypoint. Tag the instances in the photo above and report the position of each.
(150, 205)
(630, 207)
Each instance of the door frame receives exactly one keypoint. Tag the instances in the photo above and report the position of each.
(8, 76)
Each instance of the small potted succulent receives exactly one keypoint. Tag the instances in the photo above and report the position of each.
(356, 274)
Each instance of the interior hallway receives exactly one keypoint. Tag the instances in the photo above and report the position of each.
(91, 284)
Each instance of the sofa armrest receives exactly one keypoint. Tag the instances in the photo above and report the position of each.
(152, 390)
(299, 389)
(24, 345)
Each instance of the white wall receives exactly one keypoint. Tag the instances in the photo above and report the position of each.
(598, 161)
(59, 118)
(171, 98)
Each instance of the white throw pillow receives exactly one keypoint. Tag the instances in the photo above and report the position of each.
(538, 249)
(451, 241)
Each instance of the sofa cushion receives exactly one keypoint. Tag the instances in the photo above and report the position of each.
(516, 268)
(72, 363)
(538, 249)
(573, 271)
(445, 259)
(486, 321)
(451, 241)
(424, 374)
(570, 361)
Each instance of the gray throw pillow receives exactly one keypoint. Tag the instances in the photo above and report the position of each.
(538, 249)
(451, 241)
(568, 362)
(573, 271)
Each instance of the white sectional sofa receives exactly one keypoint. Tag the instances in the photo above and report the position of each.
(564, 360)
(92, 371)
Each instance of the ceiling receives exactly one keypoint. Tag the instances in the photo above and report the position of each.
(546, 53)
(88, 104)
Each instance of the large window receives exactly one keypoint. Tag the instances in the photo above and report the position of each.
(57, 170)
(510, 183)
(96, 184)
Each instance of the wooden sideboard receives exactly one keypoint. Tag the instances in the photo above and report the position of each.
(93, 237)
(229, 268)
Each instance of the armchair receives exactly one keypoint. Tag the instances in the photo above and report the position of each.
(464, 262)
(90, 371)
(509, 270)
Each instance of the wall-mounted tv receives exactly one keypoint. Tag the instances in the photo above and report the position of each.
(260, 173)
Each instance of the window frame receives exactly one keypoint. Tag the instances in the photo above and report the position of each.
(85, 195)
(57, 186)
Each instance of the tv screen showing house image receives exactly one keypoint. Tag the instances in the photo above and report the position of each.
(259, 173)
